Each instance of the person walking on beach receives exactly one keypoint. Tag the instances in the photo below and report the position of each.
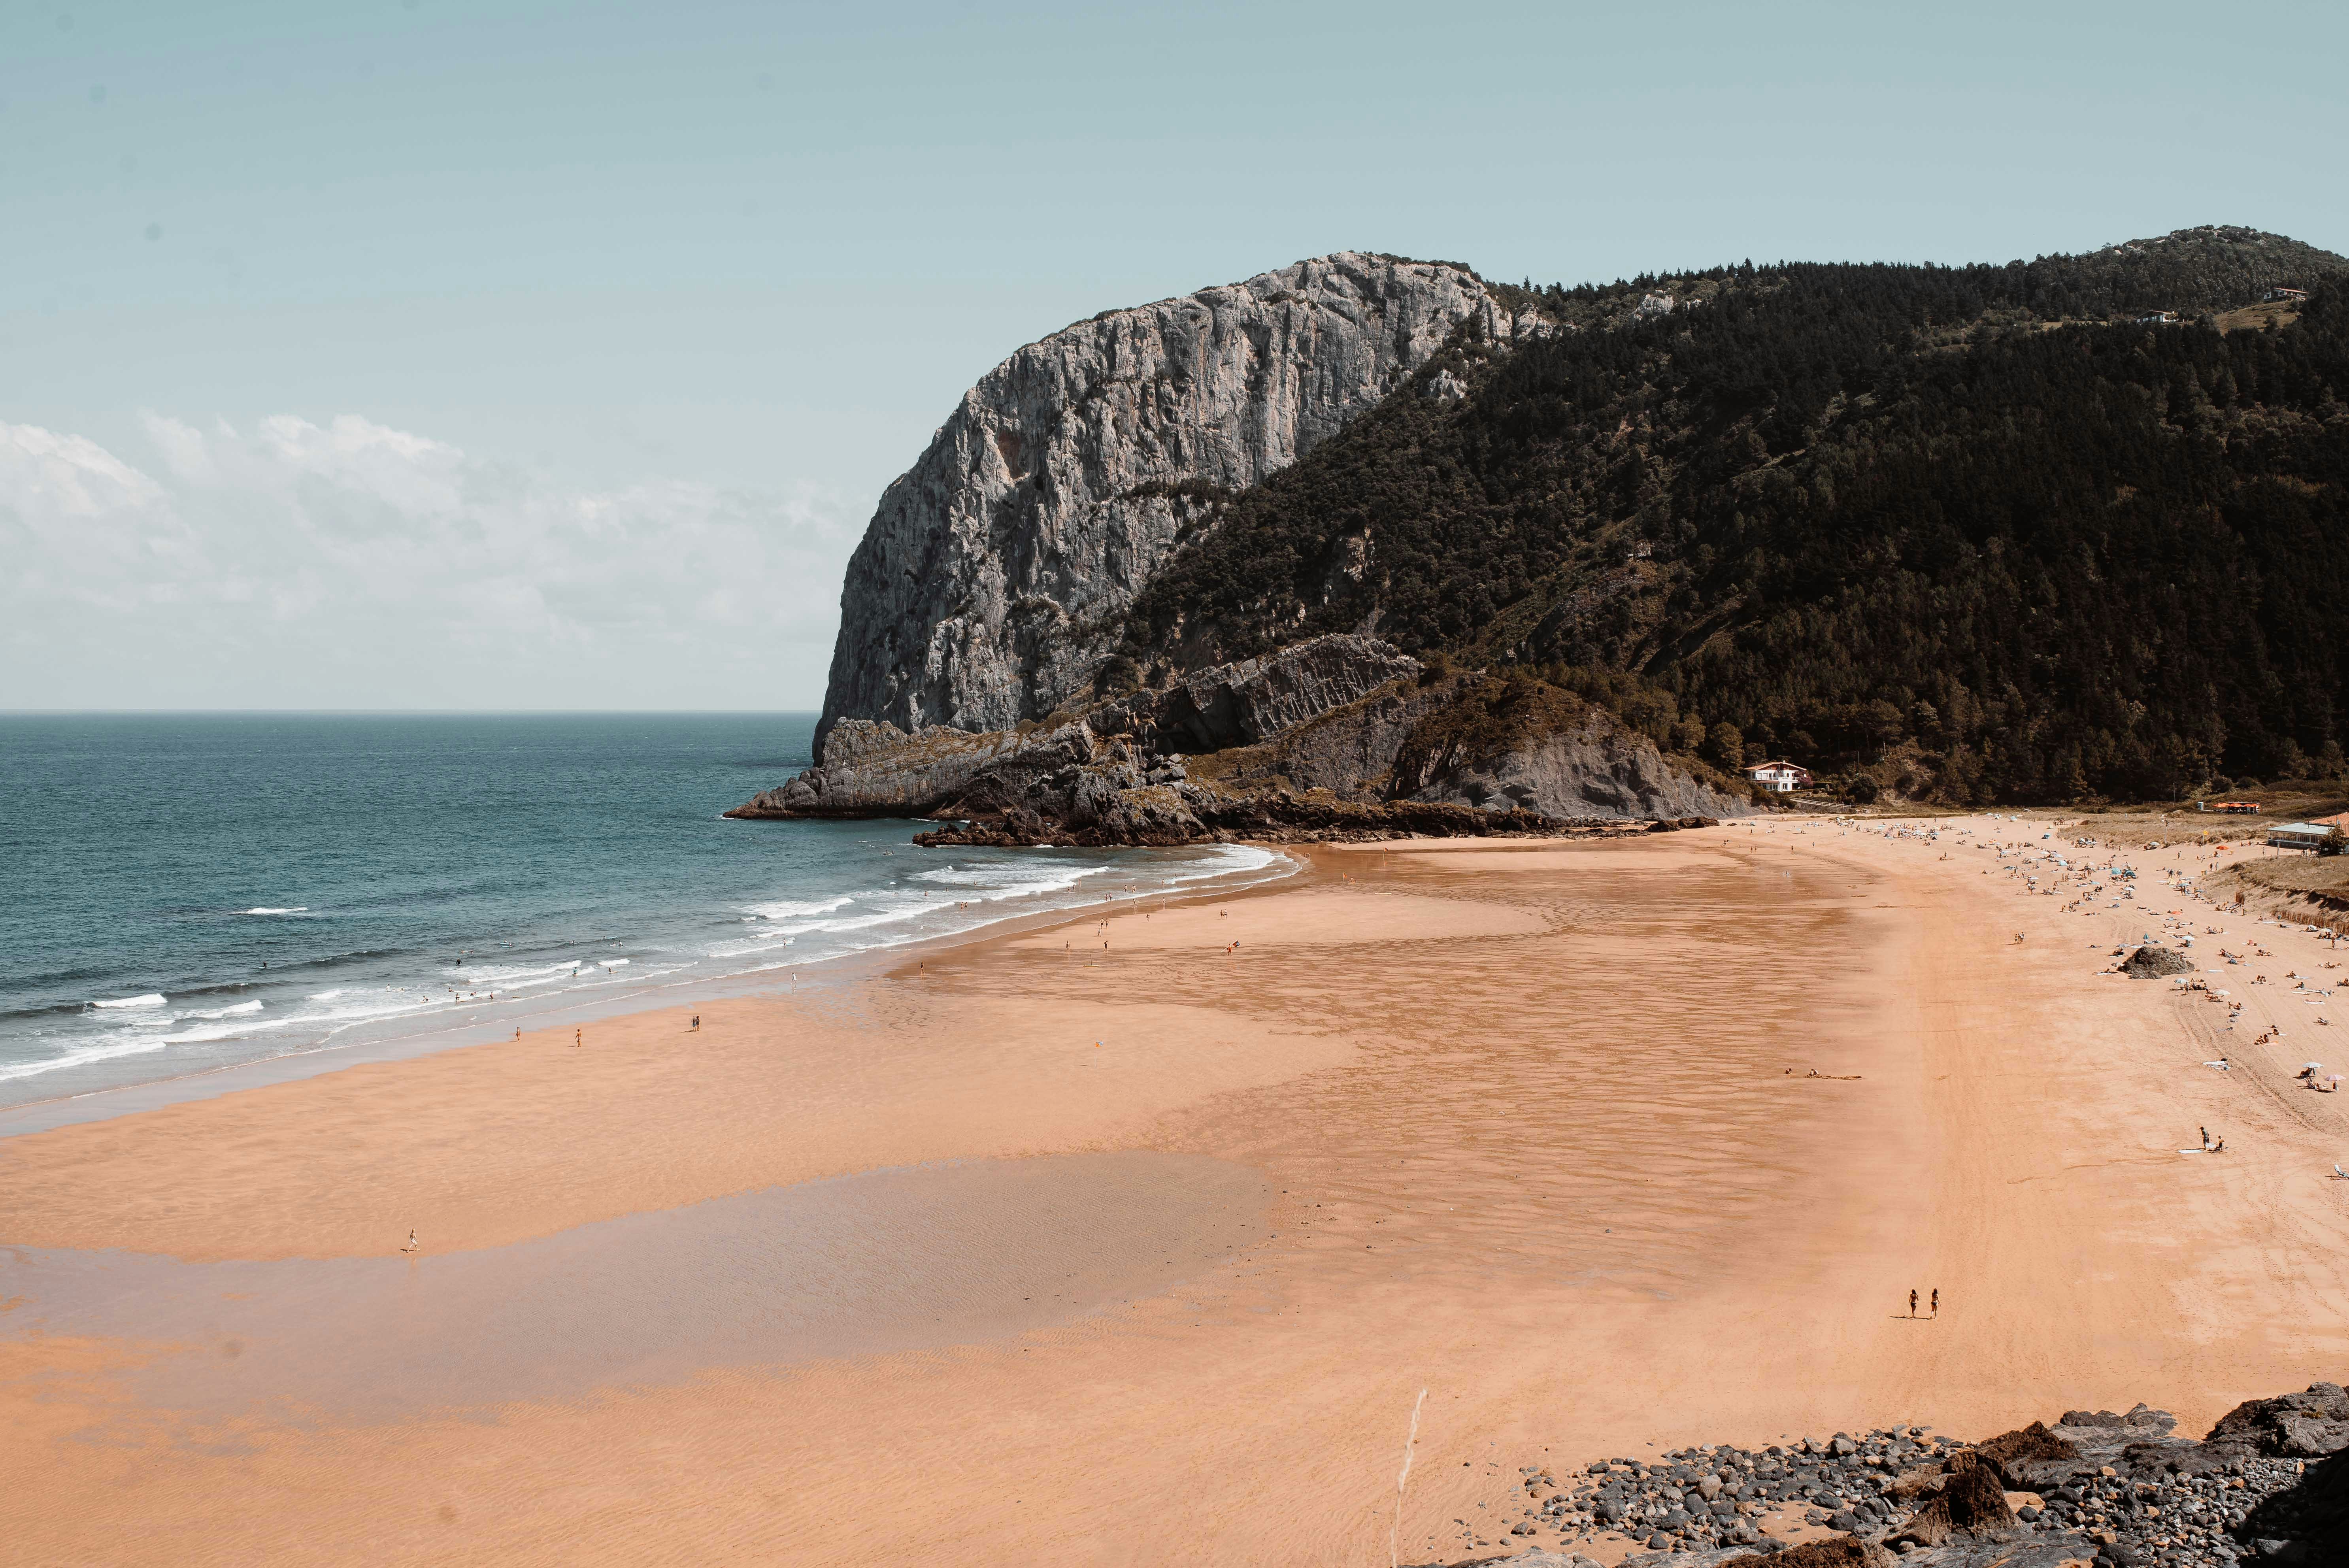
(1912, 1304)
(1937, 1301)
(412, 1243)
(696, 1022)
(578, 1038)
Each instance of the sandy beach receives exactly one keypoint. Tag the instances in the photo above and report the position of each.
(1134, 1239)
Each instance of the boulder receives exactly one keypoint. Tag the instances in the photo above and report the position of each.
(2291, 1426)
(1971, 1505)
(2030, 1458)
(1917, 1480)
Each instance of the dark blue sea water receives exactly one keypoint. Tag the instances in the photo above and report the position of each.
(183, 892)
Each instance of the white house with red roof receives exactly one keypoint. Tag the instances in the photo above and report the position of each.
(1779, 778)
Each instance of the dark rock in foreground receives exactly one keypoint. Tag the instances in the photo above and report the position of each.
(2024, 1458)
(1970, 1505)
(2298, 1426)
(2114, 1490)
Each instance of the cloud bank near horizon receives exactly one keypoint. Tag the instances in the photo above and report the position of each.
(349, 564)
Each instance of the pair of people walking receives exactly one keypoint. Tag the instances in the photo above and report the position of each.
(1937, 1301)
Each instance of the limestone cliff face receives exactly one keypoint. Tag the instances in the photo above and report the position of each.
(987, 586)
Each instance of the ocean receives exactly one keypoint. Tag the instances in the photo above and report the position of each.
(184, 893)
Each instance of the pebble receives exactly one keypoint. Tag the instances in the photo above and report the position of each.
(1695, 1501)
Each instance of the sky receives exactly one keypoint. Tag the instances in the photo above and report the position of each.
(426, 354)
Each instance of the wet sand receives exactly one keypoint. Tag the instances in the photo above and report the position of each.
(1523, 1134)
(855, 1265)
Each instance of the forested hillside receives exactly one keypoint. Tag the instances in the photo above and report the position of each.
(1980, 530)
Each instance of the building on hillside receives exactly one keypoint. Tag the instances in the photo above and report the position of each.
(1779, 778)
(2296, 296)
(2232, 808)
(2298, 835)
(2158, 318)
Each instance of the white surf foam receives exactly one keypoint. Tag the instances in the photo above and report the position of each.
(538, 973)
(227, 1031)
(912, 909)
(360, 1011)
(788, 911)
(84, 1056)
(294, 909)
(150, 1000)
(1229, 860)
(238, 1011)
(1001, 882)
(783, 933)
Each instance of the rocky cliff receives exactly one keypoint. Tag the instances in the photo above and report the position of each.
(1460, 740)
(1338, 736)
(1597, 771)
(988, 584)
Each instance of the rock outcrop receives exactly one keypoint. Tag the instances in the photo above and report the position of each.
(871, 770)
(876, 769)
(1253, 700)
(987, 587)
(2025, 1458)
(2291, 1426)
(1396, 743)
(2152, 961)
(2114, 1490)
(1596, 771)
(1314, 741)
(1970, 1504)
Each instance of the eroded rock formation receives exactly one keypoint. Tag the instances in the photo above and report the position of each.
(1325, 739)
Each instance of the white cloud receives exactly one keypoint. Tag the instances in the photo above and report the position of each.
(352, 564)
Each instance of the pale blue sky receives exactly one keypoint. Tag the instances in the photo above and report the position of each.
(475, 344)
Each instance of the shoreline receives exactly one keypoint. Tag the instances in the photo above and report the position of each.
(840, 969)
(1528, 1140)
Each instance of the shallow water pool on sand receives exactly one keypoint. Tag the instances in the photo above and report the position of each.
(889, 1260)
